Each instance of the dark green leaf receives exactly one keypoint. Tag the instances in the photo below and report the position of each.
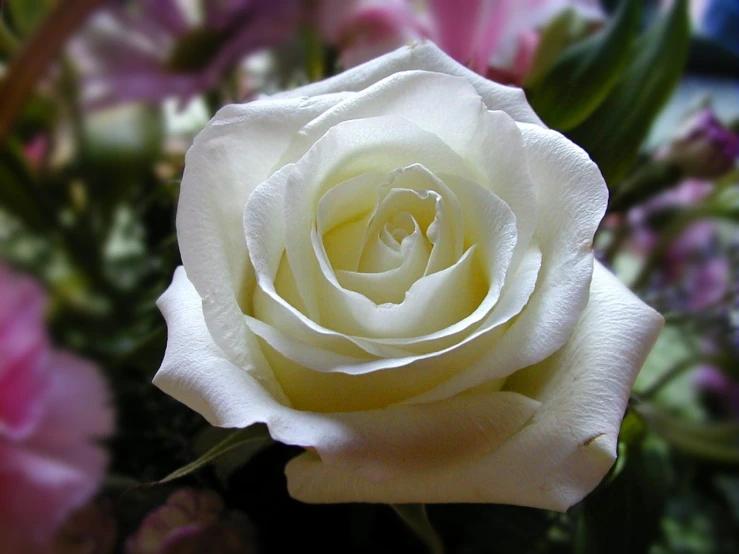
(414, 515)
(255, 433)
(586, 72)
(28, 13)
(124, 137)
(492, 528)
(624, 517)
(8, 41)
(613, 134)
(16, 189)
(717, 442)
(564, 30)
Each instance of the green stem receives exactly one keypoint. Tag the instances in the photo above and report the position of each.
(649, 180)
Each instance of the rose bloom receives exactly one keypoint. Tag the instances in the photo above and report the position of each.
(53, 406)
(393, 268)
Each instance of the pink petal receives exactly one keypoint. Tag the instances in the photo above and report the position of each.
(23, 346)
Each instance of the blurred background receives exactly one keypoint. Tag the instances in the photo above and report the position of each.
(99, 101)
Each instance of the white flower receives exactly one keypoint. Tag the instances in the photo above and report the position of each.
(393, 269)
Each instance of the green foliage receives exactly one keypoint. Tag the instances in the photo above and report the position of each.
(625, 515)
(255, 433)
(563, 31)
(718, 442)
(585, 73)
(17, 190)
(614, 132)
(126, 138)
(196, 49)
(28, 13)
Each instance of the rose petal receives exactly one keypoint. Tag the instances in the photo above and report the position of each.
(571, 200)
(350, 148)
(391, 285)
(412, 95)
(369, 443)
(498, 149)
(230, 157)
(342, 217)
(262, 228)
(560, 455)
(422, 56)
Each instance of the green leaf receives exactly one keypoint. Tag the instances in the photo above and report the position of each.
(564, 30)
(8, 41)
(125, 137)
(625, 515)
(232, 460)
(585, 73)
(255, 433)
(28, 13)
(615, 131)
(716, 442)
(414, 515)
(16, 189)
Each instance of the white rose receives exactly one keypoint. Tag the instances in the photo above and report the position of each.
(393, 268)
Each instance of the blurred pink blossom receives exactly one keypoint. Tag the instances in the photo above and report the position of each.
(687, 193)
(692, 265)
(484, 34)
(193, 521)
(36, 148)
(720, 386)
(704, 148)
(157, 49)
(53, 406)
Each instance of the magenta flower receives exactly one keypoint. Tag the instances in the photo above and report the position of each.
(694, 274)
(705, 148)
(483, 34)
(157, 49)
(193, 521)
(53, 406)
(719, 386)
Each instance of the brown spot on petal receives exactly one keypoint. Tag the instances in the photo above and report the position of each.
(592, 439)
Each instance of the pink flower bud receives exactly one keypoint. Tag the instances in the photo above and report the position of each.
(192, 521)
(705, 148)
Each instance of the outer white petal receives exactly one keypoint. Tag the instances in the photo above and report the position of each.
(230, 157)
(571, 198)
(377, 444)
(425, 56)
(412, 95)
(560, 455)
(196, 371)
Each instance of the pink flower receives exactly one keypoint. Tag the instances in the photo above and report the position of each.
(716, 384)
(704, 148)
(193, 521)
(156, 49)
(687, 193)
(365, 29)
(483, 34)
(53, 405)
(693, 267)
